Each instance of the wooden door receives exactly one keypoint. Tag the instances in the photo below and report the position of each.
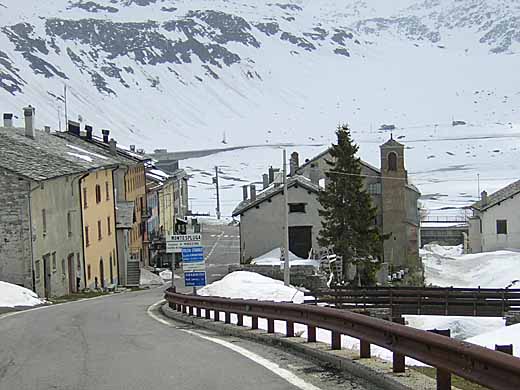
(47, 275)
(71, 273)
(102, 273)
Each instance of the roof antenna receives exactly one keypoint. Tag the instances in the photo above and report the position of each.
(391, 135)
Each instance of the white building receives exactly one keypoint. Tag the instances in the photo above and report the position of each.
(495, 224)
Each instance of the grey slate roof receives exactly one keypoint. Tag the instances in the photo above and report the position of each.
(125, 216)
(45, 156)
(317, 157)
(498, 196)
(97, 146)
(272, 190)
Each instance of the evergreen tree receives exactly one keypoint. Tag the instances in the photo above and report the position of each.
(348, 216)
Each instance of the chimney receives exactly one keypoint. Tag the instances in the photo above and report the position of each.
(294, 163)
(8, 120)
(132, 148)
(113, 146)
(244, 192)
(29, 114)
(271, 175)
(73, 128)
(47, 129)
(141, 152)
(483, 198)
(252, 189)
(88, 130)
(105, 133)
(265, 180)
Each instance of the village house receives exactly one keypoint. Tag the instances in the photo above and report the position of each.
(396, 200)
(130, 186)
(42, 236)
(495, 224)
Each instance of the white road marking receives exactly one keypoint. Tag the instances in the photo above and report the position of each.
(271, 366)
(214, 246)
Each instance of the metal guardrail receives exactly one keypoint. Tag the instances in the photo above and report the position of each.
(479, 302)
(495, 370)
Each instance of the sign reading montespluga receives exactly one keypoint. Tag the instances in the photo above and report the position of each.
(176, 242)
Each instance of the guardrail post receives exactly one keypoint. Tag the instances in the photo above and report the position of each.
(254, 322)
(270, 325)
(443, 377)
(184, 309)
(336, 340)
(289, 328)
(227, 317)
(364, 349)
(311, 334)
(207, 313)
(216, 315)
(398, 360)
(504, 348)
(178, 307)
(190, 309)
(240, 319)
(198, 311)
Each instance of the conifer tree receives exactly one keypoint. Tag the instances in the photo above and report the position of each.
(348, 215)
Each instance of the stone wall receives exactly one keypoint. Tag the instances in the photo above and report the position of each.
(301, 275)
(15, 234)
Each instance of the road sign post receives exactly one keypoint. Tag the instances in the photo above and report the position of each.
(194, 266)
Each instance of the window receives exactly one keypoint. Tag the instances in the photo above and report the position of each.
(107, 190)
(37, 269)
(297, 207)
(85, 198)
(99, 236)
(89, 275)
(44, 222)
(501, 226)
(63, 268)
(109, 228)
(69, 224)
(141, 204)
(374, 188)
(392, 161)
(98, 193)
(87, 239)
(54, 265)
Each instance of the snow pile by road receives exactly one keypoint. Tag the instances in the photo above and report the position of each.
(150, 279)
(503, 336)
(273, 258)
(447, 266)
(250, 285)
(12, 295)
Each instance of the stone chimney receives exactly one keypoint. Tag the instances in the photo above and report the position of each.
(47, 129)
(252, 189)
(483, 198)
(113, 146)
(265, 180)
(294, 163)
(244, 192)
(8, 120)
(88, 131)
(132, 148)
(106, 134)
(29, 114)
(73, 128)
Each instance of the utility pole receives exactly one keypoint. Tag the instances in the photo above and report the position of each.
(286, 269)
(215, 181)
(66, 114)
(478, 186)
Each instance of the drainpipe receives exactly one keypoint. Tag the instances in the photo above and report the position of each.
(31, 237)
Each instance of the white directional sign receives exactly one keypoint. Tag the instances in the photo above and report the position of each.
(175, 243)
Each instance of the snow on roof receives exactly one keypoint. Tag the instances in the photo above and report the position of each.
(82, 156)
(12, 295)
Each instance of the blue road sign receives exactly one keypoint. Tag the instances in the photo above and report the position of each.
(194, 279)
(193, 255)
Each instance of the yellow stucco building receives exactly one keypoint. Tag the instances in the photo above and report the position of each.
(99, 235)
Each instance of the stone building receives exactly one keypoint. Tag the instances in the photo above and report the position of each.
(395, 198)
(41, 231)
(495, 224)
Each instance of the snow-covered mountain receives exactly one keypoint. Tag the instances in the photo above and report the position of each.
(178, 74)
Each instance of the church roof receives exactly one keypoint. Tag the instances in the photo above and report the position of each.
(392, 143)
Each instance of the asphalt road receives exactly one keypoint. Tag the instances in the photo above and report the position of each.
(113, 343)
(221, 249)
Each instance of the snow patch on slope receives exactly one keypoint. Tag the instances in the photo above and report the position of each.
(12, 295)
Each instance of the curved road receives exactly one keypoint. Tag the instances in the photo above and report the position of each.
(112, 343)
